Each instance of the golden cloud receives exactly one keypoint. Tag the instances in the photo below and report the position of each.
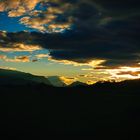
(55, 27)
(18, 12)
(40, 56)
(31, 18)
(17, 5)
(68, 80)
(102, 73)
(22, 59)
(121, 73)
(15, 59)
(126, 72)
(37, 22)
(13, 47)
(7, 68)
(94, 63)
(132, 73)
(90, 82)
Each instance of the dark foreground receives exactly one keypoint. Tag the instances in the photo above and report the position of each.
(40, 111)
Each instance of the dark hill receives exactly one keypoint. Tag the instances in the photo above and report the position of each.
(103, 110)
(78, 83)
(12, 77)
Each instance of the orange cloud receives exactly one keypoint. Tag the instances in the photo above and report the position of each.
(90, 82)
(19, 47)
(94, 63)
(15, 59)
(132, 73)
(68, 80)
(16, 8)
(2, 56)
(40, 56)
(37, 22)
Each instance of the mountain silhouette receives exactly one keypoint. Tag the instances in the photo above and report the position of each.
(12, 77)
(77, 83)
(40, 110)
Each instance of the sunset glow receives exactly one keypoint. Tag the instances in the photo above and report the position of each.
(67, 39)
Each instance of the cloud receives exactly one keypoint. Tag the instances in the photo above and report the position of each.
(135, 73)
(106, 31)
(43, 20)
(15, 59)
(111, 74)
(7, 68)
(16, 42)
(47, 21)
(82, 75)
(90, 82)
(68, 80)
(15, 6)
(92, 63)
(18, 12)
(20, 59)
(123, 73)
(17, 47)
(38, 22)
(40, 56)
(3, 56)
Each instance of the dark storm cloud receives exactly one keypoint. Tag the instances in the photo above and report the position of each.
(102, 29)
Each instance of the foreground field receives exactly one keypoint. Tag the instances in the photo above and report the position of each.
(47, 111)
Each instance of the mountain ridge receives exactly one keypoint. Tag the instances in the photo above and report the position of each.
(14, 77)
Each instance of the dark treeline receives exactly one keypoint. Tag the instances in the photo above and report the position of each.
(102, 110)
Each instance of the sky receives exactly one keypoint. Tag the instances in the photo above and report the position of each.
(77, 40)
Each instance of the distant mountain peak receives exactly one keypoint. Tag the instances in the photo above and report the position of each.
(78, 83)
